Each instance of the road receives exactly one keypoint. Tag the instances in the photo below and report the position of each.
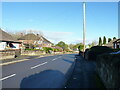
(45, 72)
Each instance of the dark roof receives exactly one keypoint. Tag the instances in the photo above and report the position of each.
(117, 40)
(32, 36)
(4, 36)
(29, 36)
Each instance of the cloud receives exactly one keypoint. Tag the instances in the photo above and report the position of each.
(67, 37)
(58, 36)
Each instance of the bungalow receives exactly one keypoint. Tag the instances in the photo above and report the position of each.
(113, 44)
(34, 41)
(117, 43)
(9, 46)
(110, 44)
(7, 42)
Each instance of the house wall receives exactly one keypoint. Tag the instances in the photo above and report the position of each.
(36, 42)
(17, 46)
(2, 45)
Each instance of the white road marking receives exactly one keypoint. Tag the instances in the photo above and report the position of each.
(38, 65)
(59, 56)
(54, 59)
(7, 77)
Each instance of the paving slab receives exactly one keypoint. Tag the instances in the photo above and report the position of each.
(83, 74)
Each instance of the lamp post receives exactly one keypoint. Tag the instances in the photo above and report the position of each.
(84, 25)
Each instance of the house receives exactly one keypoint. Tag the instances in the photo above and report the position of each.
(34, 41)
(116, 43)
(7, 42)
(113, 44)
(9, 46)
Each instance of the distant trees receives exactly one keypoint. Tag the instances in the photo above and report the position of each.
(114, 38)
(100, 41)
(71, 46)
(104, 40)
(109, 39)
(63, 45)
(76, 46)
(79, 46)
(94, 43)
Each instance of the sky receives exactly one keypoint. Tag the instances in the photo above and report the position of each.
(62, 21)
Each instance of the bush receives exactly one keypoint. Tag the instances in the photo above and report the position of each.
(47, 49)
(33, 49)
(97, 50)
(56, 50)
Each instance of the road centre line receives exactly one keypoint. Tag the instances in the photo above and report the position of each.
(38, 65)
(7, 77)
(54, 59)
(59, 56)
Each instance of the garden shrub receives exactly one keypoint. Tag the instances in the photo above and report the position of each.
(47, 49)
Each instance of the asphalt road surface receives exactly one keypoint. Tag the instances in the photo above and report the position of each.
(45, 72)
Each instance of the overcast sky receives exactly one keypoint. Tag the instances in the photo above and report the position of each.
(62, 21)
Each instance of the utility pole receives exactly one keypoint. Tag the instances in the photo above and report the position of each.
(84, 25)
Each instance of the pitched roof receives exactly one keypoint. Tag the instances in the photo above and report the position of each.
(32, 36)
(117, 40)
(4, 36)
(45, 39)
(29, 36)
(110, 44)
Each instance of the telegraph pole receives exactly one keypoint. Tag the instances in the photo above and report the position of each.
(84, 25)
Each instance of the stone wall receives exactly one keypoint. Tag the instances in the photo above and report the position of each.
(6, 54)
(27, 52)
(108, 68)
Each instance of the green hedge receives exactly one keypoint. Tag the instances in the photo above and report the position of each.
(33, 49)
(47, 49)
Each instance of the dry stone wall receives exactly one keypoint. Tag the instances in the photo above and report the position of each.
(108, 68)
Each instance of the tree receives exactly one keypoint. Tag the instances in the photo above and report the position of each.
(62, 45)
(94, 43)
(100, 41)
(104, 40)
(114, 38)
(109, 39)
(79, 46)
(71, 46)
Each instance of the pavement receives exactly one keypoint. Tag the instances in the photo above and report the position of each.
(40, 72)
(83, 75)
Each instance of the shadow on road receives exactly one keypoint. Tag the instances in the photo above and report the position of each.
(68, 61)
(44, 79)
